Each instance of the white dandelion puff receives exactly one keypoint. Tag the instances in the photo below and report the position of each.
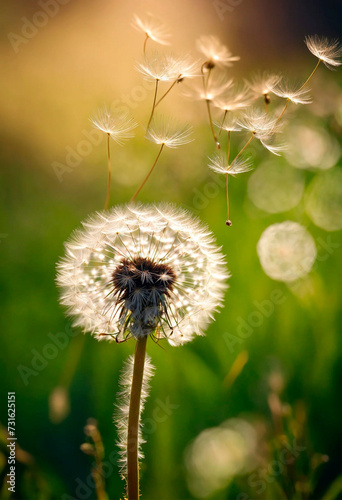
(218, 163)
(215, 52)
(118, 126)
(169, 133)
(296, 94)
(121, 412)
(327, 51)
(137, 270)
(286, 251)
(153, 28)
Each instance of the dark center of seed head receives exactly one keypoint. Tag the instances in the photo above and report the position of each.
(142, 274)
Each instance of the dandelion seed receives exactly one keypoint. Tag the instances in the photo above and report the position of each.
(286, 251)
(153, 29)
(169, 134)
(297, 95)
(215, 53)
(215, 88)
(118, 126)
(140, 270)
(229, 123)
(263, 84)
(259, 123)
(219, 164)
(234, 99)
(161, 67)
(327, 51)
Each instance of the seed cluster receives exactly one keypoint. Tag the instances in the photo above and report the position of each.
(141, 286)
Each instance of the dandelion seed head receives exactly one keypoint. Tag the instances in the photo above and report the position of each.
(218, 163)
(169, 133)
(137, 270)
(118, 126)
(286, 251)
(152, 27)
(328, 51)
(215, 53)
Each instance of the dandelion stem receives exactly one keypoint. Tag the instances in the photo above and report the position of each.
(168, 90)
(133, 420)
(241, 150)
(228, 148)
(211, 125)
(227, 196)
(109, 174)
(283, 112)
(154, 104)
(224, 117)
(311, 75)
(148, 175)
(227, 176)
(145, 42)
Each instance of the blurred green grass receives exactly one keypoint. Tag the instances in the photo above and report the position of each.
(302, 336)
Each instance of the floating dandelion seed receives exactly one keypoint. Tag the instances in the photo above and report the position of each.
(216, 86)
(286, 251)
(153, 29)
(297, 95)
(215, 53)
(139, 270)
(229, 124)
(327, 51)
(263, 127)
(219, 164)
(118, 126)
(161, 67)
(263, 85)
(169, 134)
(261, 124)
(233, 99)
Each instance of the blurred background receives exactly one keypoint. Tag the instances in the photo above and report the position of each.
(252, 410)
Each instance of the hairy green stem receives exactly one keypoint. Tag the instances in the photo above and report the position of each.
(133, 421)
